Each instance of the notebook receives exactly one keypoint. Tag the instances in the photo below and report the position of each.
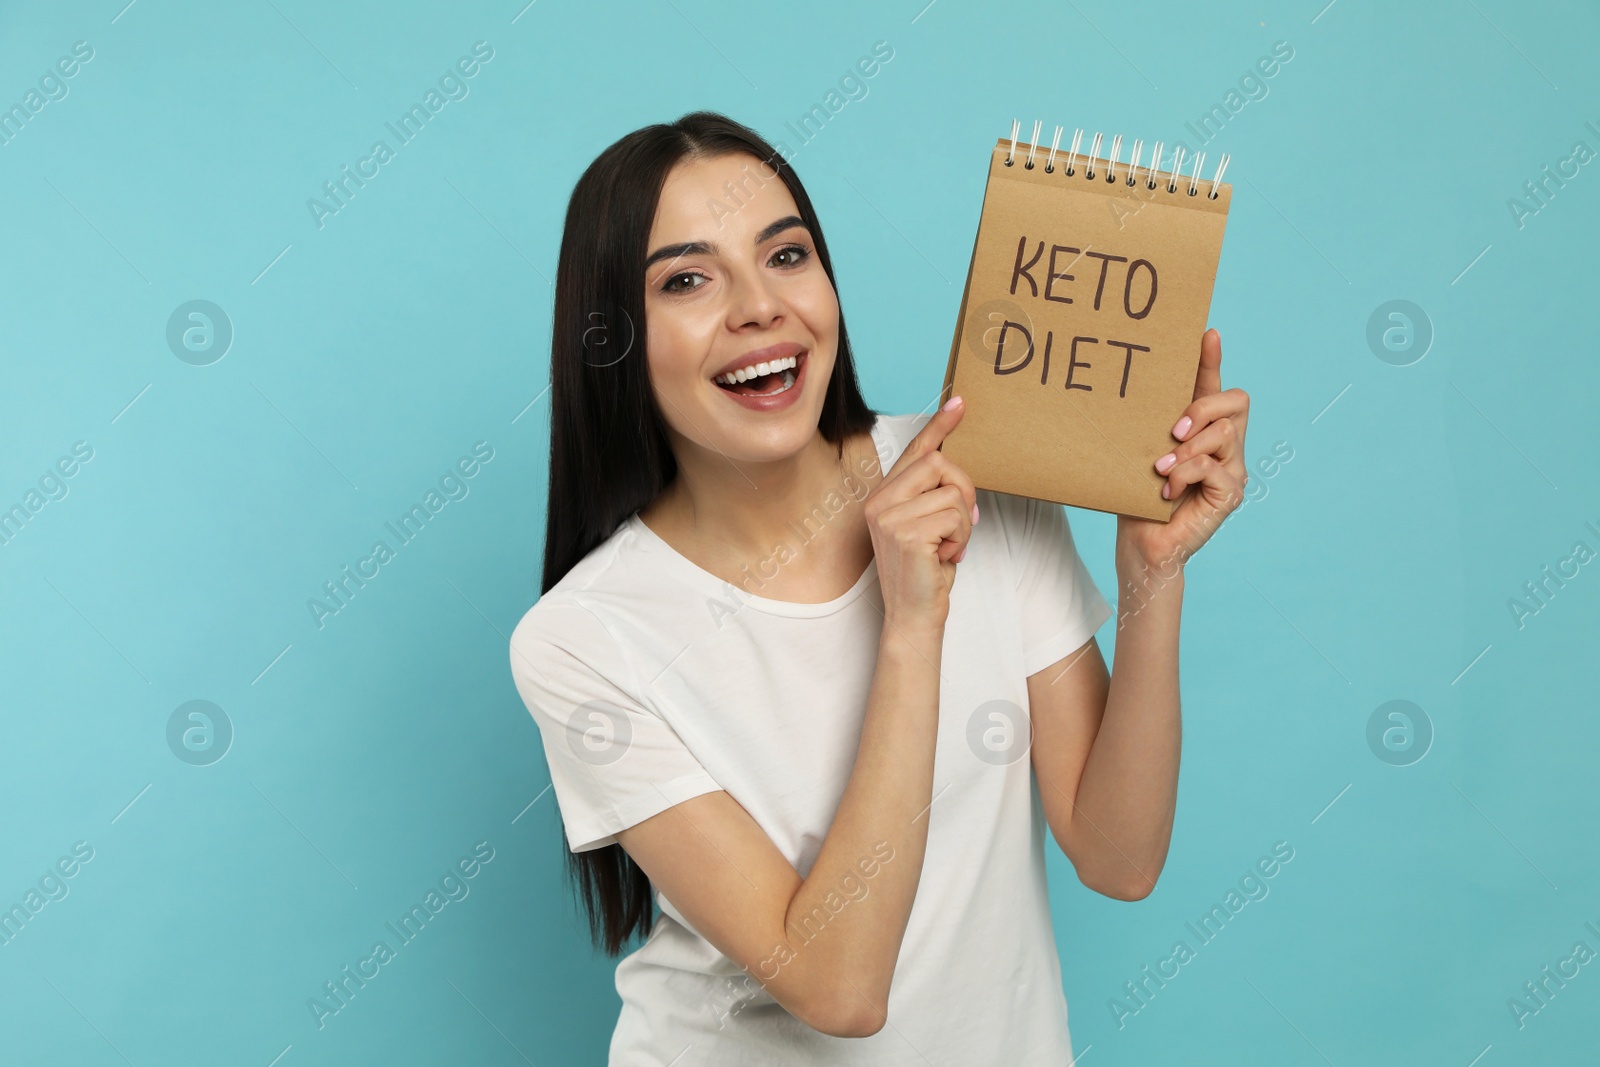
(1078, 337)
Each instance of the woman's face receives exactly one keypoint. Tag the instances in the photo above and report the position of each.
(732, 280)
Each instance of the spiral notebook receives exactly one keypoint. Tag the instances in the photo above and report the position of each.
(1078, 337)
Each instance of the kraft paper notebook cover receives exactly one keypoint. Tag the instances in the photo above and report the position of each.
(1078, 338)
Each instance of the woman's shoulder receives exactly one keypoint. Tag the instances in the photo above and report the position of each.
(904, 427)
(893, 433)
(563, 614)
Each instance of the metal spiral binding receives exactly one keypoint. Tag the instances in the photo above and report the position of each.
(1093, 157)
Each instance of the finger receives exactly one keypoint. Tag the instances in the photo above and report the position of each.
(1220, 439)
(954, 545)
(1206, 471)
(931, 436)
(1208, 379)
(930, 472)
(1231, 403)
(945, 529)
(939, 516)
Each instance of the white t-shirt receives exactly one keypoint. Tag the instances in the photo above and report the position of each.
(653, 681)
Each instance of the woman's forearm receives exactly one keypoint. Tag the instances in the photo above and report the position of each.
(1128, 792)
(872, 856)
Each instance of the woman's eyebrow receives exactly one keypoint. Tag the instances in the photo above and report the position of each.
(704, 248)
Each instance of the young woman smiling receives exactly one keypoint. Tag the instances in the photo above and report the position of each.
(835, 785)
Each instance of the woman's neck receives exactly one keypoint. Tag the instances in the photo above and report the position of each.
(797, 524)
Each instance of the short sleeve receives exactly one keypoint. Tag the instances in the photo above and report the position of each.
(614, 761)
(1060, 606)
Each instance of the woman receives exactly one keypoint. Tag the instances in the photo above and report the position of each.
(764, 693)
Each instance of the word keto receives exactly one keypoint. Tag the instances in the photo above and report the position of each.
(1253, 888)
(1540, 994)
(1581, 153)
(52, 86)
(1139, 286)
(742, 989)
(1252, 87)
(338, 590)
(1581, 554)
(855, 88)
(52, 886)
(411, 124)
(339, 991)
(51, 487)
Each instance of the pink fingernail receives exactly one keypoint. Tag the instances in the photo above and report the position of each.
(1166, 491)
(1166, 461)
(1182, 427)
(974, 513)
(953, 403)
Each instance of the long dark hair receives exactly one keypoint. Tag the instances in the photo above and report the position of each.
(609, 451)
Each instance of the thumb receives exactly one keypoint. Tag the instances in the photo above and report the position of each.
(1208, 378)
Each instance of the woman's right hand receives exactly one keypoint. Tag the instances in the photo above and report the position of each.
(920, 516)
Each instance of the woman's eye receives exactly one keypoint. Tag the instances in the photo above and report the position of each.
(796, 255)
(672, 285)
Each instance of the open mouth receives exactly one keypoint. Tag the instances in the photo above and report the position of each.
(764, 379)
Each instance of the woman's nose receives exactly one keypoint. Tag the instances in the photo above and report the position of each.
(753, 303)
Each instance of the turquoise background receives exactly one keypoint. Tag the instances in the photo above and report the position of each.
(369, 355)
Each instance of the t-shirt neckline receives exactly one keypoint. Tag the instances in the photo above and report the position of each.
(692, 572)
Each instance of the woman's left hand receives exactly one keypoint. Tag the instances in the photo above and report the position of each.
(1207, 468)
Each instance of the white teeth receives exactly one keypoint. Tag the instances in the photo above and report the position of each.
(789, 378)
(758, 370)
